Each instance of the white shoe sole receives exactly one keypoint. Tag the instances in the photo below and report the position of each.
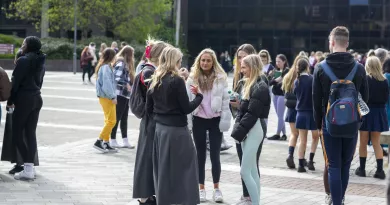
(100, 149)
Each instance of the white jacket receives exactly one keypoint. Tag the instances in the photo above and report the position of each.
(219, 102)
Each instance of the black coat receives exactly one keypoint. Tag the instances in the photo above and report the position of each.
(257, 107)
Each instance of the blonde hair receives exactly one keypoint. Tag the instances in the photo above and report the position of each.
(253, 61)
(101, 49)
(127, 55)
(156, 48)
(247, 48)
(269, 59)
(196, 70)
(291, 76)
(374, 68)
(168, 61)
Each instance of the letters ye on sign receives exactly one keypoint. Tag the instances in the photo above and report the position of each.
(312, 11)
(6, 49)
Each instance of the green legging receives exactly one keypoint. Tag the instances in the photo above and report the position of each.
(248, 166)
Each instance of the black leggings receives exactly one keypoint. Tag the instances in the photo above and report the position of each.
(25, 120)
(239, 152)
(87, 69)
(200, 127)
(122, 112)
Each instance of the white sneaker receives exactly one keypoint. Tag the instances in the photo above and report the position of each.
(202, 195)
(114, 144)
(243, 201)
(217, 196)
(126, 144)
(23, 175)
(328, 199)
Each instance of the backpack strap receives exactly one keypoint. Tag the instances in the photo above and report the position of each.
(328, 71)
(351, 75)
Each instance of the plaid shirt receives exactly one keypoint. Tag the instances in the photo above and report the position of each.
(122, 78)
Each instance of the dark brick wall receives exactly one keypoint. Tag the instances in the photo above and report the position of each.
(51, 65)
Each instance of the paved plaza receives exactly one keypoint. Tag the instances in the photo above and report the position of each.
(72, 172)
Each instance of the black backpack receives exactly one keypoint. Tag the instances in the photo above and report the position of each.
(137, 100)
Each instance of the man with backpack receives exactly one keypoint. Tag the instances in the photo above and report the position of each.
(338, 80)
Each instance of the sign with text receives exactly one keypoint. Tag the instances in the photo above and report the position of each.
(6, 49)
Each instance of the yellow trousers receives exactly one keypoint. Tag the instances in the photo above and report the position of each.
(109, 109)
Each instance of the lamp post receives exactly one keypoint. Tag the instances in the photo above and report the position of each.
(178, 15)
(75, 39)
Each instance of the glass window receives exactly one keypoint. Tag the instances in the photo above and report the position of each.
(248, 2)
(222, 14)
(230, 2)
(376, 13)
(340, 14)
(284, 2)
(265, 2)
(215, 2)
(300, 3)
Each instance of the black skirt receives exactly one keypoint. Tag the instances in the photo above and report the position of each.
(290, 115)
(305, 121)
(175, 166)
(143, 183)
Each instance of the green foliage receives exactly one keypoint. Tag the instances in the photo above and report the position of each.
(7, 39)
(128, 19)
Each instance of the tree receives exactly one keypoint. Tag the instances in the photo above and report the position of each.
(128, 19)
(135, 19)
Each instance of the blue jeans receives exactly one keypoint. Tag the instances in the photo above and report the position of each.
(339, 153)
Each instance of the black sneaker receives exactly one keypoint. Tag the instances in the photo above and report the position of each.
(283, 138)
(16, 169)
(275, 137)
(109, 148)
(301, 169)
(290, 162)
(310, 166)
(360, 172)
(150, 201)
(100, 146)
(380, 174)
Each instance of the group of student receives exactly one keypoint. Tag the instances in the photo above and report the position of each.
(179, 111)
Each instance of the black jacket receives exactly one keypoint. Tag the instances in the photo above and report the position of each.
(169, 102)
(27, 77)
(341, 64)
(257, 107)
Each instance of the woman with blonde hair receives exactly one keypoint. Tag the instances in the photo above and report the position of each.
(124, 77)
(174, 152)
(255, 105)
(143, 182)
(212, 116)
(266, 60)
(103, 46)
(238, 84)
(291, 102)
(375, 121)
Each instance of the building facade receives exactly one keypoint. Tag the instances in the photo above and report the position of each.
(285, 26)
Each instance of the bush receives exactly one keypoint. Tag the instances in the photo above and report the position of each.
(62, 48)
(8, 39)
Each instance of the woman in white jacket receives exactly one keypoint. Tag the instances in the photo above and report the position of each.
(213, 115)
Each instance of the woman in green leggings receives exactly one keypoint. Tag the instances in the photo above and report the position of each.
(255, 105)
